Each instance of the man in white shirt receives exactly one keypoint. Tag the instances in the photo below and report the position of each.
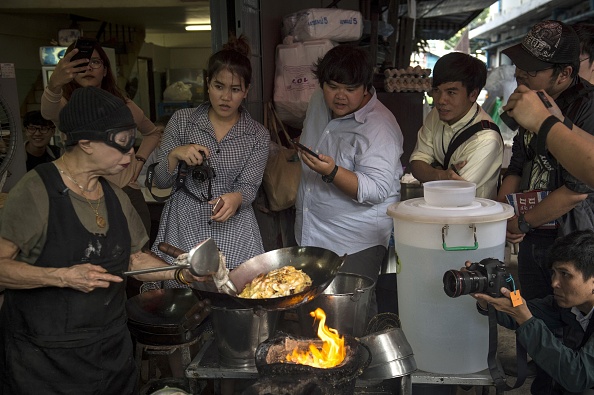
(457, 81)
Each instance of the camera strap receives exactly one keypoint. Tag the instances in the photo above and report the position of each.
(180, 183)
(495, 368)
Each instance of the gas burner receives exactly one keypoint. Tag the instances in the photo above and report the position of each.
(280, 377)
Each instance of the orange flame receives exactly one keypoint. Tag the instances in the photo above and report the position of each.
(332, 352)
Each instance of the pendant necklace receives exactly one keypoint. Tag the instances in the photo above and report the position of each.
(99, 220)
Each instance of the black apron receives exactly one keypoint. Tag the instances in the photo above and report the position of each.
(64, 341)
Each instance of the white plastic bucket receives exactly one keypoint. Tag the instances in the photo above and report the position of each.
(447, 335)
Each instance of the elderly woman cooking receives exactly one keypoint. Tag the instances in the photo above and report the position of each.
(66, 235)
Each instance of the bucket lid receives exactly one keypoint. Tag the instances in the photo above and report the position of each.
(479, 211)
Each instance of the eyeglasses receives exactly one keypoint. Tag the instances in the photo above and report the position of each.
(583, 60)
(95, 63)
(535, 73)
(42, 130)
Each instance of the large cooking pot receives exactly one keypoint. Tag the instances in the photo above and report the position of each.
(346, 301)
(319, 263)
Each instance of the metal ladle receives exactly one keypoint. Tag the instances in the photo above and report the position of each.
(203, 260)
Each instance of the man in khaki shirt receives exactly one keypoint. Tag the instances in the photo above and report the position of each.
(457, 81)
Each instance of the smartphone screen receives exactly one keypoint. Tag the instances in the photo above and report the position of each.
(217, 206)
(304, 148)
(85, 50)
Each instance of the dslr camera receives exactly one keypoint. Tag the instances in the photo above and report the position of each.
(201, 172)
(486, 276)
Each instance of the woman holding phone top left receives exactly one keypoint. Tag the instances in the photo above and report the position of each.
(70, 75)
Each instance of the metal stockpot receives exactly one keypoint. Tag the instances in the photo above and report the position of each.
(238, 332)
(345, 302)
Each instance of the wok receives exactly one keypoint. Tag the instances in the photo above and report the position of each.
(318, 263)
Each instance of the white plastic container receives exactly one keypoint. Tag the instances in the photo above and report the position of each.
(447, 335)
(449, 193)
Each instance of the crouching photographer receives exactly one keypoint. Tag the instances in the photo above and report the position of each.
(569, 361)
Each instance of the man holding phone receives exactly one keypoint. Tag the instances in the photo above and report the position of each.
(550, 65)
(345, 191)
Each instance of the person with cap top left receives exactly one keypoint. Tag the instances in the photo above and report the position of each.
(65, 234)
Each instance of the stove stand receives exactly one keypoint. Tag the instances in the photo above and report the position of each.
(206, 366)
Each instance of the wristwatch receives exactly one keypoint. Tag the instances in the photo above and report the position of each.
(523, 225)
(330, 177)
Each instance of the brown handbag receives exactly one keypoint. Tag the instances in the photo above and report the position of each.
(283, 169)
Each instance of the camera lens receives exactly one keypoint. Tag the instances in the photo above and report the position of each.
(200, 174)
(456, 282)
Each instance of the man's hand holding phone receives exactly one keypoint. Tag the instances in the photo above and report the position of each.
(305, 149)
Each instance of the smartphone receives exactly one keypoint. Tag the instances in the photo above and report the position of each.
(85, 50)
(544, 99)
(304, 148)
(217, 206)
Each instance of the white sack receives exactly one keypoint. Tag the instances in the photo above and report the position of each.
(294, 81)
(323, 23)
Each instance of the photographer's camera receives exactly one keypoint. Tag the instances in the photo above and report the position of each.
(486, 276)
(202, 172)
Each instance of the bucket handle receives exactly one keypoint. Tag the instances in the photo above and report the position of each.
(444, 232)
(357, 294)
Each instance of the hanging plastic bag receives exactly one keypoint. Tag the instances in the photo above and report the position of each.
(178, 91)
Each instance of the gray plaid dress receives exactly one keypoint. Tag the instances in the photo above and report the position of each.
(238, 161)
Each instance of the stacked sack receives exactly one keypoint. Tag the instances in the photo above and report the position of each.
(307, 36)
(411, 79)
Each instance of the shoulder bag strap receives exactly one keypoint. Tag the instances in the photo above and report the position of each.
(279, 124)
(494, 364)
(180, 182)
(465, 135)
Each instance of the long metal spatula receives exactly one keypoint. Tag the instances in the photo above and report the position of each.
(203, 260)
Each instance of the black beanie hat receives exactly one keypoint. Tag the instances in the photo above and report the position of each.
(90, 112)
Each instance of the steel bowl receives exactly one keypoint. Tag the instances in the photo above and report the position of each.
(392, 355)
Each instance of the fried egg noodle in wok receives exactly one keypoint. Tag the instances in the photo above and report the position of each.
(280, 282)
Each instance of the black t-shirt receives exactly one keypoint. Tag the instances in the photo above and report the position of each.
(33, 161)
(576, 103)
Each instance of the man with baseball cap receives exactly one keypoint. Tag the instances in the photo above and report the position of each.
(547, 59)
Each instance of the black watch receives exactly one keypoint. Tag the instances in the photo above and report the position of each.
(523, 225)
(330, 177)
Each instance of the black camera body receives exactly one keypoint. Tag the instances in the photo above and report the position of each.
(203, 171)
(486, 276)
